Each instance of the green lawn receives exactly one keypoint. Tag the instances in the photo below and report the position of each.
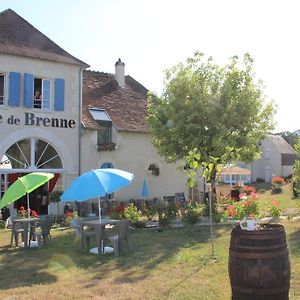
(173, 264)
(285, 198)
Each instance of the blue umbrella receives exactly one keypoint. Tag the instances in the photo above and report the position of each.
(145, 191)
(96, 184)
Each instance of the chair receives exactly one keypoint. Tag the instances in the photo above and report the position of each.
(16, 230)
(118, 235)
(85, 236)
(46, 225)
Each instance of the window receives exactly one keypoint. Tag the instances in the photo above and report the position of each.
(153, 169)
(267, 153)
(33, 153)
(41, 98)
(2, 84)
(104, 133)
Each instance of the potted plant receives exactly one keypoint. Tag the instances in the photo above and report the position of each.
(277, 183)
(246, 211)
(258, 266)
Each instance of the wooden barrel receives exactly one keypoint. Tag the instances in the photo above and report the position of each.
(259, 266)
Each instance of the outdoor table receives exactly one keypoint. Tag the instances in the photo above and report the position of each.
(99, 226)
(26, 224)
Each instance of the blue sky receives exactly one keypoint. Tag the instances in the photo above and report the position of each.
(151, 36)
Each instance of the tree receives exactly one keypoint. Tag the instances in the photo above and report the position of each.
(210, 115)
(290, 137)
(296, 172)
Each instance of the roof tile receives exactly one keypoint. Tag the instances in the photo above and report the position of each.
(18, 37)
(126, 106)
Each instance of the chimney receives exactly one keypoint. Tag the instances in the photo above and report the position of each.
(119, 73)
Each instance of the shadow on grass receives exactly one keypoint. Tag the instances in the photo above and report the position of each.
(293, 242)
(20, 268)
(151, 248)
(148, 249)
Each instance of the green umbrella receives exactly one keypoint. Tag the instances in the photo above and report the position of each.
(24, 185)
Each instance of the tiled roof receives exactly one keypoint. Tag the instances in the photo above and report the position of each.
(235, 170)
(18, 37)
(127, 107)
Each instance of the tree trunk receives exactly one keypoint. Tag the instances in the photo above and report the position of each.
(213, 177)
(213, 182)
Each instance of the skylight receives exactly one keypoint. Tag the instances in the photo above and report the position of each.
(99, 115)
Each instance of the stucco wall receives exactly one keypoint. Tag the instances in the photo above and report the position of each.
(134, 153)
(64, 140)
(269, 164)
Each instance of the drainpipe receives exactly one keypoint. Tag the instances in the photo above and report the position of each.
(79, 121)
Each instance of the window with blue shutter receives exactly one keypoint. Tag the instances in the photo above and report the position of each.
(59, 94)
(14, 89)
(46, 95)
(28, 90)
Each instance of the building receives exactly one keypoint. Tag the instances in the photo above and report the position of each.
(277, 159)
(46, 125)
(235, 175)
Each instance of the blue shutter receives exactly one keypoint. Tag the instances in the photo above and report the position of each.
(14, 89)
(46, 94)
(28, 90)
(59, 94)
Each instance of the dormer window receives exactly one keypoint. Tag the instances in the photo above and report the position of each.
(104, 133)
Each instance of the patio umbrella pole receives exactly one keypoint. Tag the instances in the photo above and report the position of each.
(28, 209)
(99, 208)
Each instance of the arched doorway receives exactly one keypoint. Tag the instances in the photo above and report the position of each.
(31, 155)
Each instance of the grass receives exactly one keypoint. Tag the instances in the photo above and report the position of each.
(173, 264)
(287, 203)
(176, 263)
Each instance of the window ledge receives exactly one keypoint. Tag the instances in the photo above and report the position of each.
(107, 147)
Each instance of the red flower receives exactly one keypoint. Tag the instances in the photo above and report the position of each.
(249, 189)
(231, 213)
(275, 202)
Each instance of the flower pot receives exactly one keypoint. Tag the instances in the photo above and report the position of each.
(248, 224)
(259, 266)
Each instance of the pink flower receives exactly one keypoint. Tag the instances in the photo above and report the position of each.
(253, 196)
(275, 202)
(230, 207)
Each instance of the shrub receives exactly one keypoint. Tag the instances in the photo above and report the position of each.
(69, 216)
(192, 213)
(274, 210)
(166, 214)
(2, 224)
(132, 213)
(114, 215)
